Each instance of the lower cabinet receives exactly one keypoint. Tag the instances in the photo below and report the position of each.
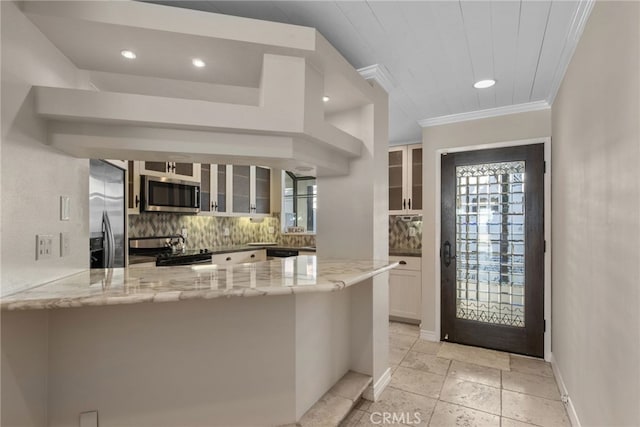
(405, 288)
(239, 257)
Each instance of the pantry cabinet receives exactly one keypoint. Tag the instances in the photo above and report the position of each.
(405, 288)
(184, 171)
(405, 179)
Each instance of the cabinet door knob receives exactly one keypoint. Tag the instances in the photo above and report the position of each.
(253, 255)
(404, 203)
(403, 262)
(228, 258)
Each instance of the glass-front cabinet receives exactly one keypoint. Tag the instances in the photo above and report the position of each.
(405, 179)
(184, 171)
(237, 190)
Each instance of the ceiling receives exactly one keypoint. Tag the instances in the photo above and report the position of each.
(429, 53)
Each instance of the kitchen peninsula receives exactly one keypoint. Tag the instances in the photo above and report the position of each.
(124, 342)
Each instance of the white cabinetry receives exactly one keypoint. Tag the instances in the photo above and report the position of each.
(405, 179)
(184, 171)
(133, 187)
(405, 288)
(229, 190)
(239, 257)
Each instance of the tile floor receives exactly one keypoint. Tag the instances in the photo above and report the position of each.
(444, 384)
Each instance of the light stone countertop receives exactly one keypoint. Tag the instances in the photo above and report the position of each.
(131, 285)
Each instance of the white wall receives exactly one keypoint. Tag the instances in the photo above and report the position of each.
(513, 127)
(596, 220)
(353, 224)
(24, 369)
(34, 176)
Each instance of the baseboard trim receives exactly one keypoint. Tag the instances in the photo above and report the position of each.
(571, 410)
(374, 391)
(428, 335)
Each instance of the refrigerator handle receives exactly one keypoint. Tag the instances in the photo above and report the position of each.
(110, 250)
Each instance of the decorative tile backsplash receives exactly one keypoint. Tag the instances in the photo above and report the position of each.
(208, 231)
(399, 229)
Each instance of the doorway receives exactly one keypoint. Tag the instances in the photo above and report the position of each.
(492, 249)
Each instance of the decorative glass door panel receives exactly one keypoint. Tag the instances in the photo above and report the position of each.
(490, 243)
(492, 249)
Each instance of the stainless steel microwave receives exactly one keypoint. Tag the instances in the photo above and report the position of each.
(161, 194)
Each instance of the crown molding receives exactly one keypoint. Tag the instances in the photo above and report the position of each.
(484, 114)
(576, 28)
(380, 74)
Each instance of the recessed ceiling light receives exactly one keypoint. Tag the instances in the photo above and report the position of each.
(483, 84)
(325, 98)
(197, 62)
(129, 54)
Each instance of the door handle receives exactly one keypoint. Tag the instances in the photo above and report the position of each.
(404, 203)
(446, 254)
(409, 204)
(137, 201)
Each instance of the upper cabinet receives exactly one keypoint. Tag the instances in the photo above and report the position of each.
(405, 179)
(185, 171)
(133, 187)
(235, 190)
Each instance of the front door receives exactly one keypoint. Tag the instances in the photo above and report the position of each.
(492, 249)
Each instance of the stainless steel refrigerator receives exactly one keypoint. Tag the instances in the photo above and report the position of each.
(107, 212)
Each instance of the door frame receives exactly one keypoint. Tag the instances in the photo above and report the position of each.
(547, 227)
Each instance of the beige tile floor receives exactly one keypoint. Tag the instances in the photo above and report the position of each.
(443, 384)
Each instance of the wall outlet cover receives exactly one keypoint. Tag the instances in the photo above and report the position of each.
(412, 231)
(184, 233)
(89, 419)
(44, 246)
(226, 231)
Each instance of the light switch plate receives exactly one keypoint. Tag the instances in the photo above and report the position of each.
(65, 244)
(226, 231)
(65, 208)
(44, 246)
(184, 233)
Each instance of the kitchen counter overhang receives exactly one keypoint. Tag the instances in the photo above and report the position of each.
(131, 285)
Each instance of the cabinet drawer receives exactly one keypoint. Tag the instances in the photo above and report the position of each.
(239, 257)
(407, 263)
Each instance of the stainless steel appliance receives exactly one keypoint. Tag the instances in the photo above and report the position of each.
(106, 215)
(281, 253)
(168, 250)
(162, 194)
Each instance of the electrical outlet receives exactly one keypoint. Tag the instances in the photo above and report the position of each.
(226, 231)
(412, 232)
(272, 230)
(89, 419)
(184, 233)
(44, 246)
(65, 244)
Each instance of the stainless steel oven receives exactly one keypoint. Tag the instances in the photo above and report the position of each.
(161, 194)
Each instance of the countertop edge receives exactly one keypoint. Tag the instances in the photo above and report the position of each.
(332, 283)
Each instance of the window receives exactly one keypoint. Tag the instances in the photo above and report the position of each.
(300, 203)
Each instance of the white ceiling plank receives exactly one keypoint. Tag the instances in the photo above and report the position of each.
(557, 30)
(264, 10)
(505, 17)
(476, 16)
(530, 39)
(446, 18)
